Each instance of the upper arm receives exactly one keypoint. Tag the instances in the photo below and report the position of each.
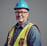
(34, 38)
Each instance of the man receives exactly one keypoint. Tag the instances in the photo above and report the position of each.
(23, 32)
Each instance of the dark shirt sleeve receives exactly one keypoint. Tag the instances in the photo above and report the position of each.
(34, 38)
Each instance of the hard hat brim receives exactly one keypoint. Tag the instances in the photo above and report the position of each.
(21, 8)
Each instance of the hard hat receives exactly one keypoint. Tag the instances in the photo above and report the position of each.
(21, 4)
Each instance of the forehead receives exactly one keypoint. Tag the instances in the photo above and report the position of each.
(21, 9)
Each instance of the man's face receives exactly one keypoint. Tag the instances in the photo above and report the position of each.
(21, 15)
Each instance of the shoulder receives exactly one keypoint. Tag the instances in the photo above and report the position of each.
(34, 32)
(34, 29)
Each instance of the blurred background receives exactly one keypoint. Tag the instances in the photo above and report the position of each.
(38, 15)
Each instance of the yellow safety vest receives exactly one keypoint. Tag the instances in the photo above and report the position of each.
(22, 35)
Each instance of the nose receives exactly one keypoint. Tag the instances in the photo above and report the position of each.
(19, 14)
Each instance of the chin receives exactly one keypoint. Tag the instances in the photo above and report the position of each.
(20, 21)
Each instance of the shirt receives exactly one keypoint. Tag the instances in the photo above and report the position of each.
(33, 38)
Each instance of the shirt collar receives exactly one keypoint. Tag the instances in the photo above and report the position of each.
(22, 24)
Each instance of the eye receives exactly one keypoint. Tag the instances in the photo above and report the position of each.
(22, 12)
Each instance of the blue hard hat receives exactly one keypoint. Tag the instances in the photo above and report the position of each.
(21, 4)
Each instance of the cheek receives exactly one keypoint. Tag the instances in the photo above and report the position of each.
(25, 16)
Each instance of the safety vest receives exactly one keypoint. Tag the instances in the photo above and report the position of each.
(21, 38)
